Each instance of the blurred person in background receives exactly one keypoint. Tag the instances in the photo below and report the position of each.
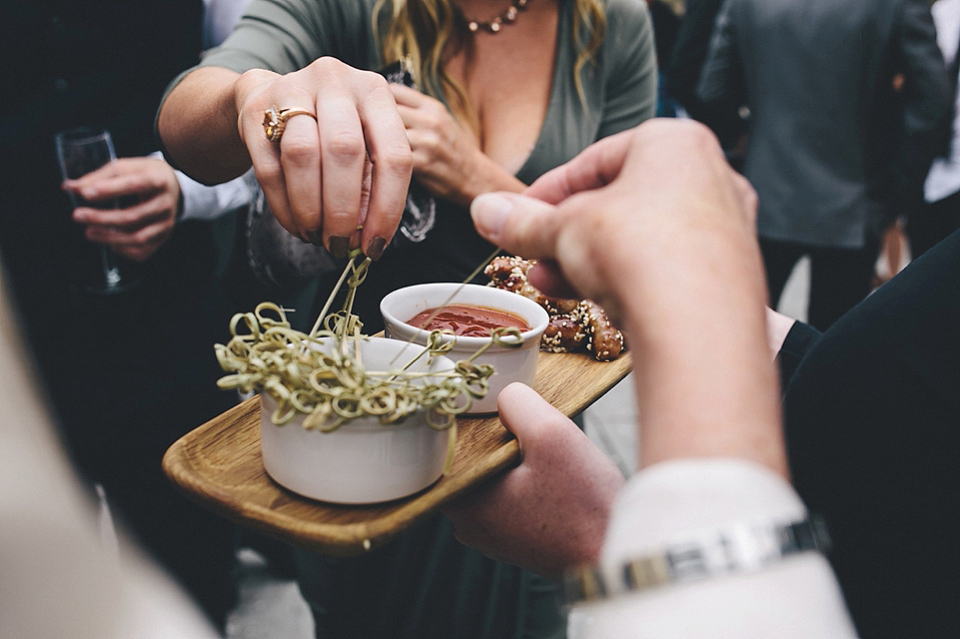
(726, 117)
(939, 214)
(63, 574)
(832, 152)
(666, 18)
(129, 372)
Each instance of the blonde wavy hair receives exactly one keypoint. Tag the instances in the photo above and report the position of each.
(424, 33)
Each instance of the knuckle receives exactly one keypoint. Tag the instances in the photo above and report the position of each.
(269, 174)
(433, 118)
(697, 133)
(397, 159)
(302, 216)
(687, 133)
(346, 147)
(252, 73)
(378, 91)
(326, 64)
(703, 136)
(299, 152)
(422, 162)
(434, 142)
(373, 81)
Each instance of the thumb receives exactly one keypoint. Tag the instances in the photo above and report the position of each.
(560, 496)
(542, 431)
(521, 225)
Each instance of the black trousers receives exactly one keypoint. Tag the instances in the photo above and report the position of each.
(839, 277)
(932, 223)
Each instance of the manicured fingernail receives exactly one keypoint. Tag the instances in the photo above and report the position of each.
(490, 211)
(375, 248)
(314, 237)
(339, 246)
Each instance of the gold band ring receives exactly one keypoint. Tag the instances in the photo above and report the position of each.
(275, 121)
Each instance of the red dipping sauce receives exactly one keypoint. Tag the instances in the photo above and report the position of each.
(468, 321)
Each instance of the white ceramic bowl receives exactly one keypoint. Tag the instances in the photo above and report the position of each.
(362, 462)
(511, 364)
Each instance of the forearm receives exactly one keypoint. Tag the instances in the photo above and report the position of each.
(198, 126)
(704, 379)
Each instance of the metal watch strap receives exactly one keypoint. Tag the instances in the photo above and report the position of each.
(738, 548)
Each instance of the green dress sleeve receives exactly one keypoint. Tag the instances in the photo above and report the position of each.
(287, 36)
(630, 67)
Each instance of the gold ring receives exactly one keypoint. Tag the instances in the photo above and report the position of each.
(275, 121)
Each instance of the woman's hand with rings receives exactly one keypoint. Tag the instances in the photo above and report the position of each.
(275, 121)
(339, 177)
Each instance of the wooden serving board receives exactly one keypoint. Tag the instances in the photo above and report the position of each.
(219, 466)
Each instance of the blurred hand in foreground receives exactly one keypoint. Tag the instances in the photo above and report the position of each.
(623, 203)
(653, 225)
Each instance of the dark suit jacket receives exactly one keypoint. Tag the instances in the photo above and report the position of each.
(127, 373)
(828, 136)
(686, 62)
(872, 419)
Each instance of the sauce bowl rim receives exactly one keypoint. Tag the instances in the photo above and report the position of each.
(536, 312)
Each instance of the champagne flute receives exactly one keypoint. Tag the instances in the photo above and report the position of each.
(80, 151)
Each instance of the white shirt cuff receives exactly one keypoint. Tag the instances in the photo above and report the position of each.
(202, 202)
(796, 598)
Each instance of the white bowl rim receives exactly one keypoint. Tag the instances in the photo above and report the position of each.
(470, 343)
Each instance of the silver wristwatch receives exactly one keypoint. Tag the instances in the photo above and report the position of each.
(738, 548)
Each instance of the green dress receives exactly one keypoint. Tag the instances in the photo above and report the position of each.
(424, 584)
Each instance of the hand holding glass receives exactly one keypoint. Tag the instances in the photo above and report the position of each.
(79, 152)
